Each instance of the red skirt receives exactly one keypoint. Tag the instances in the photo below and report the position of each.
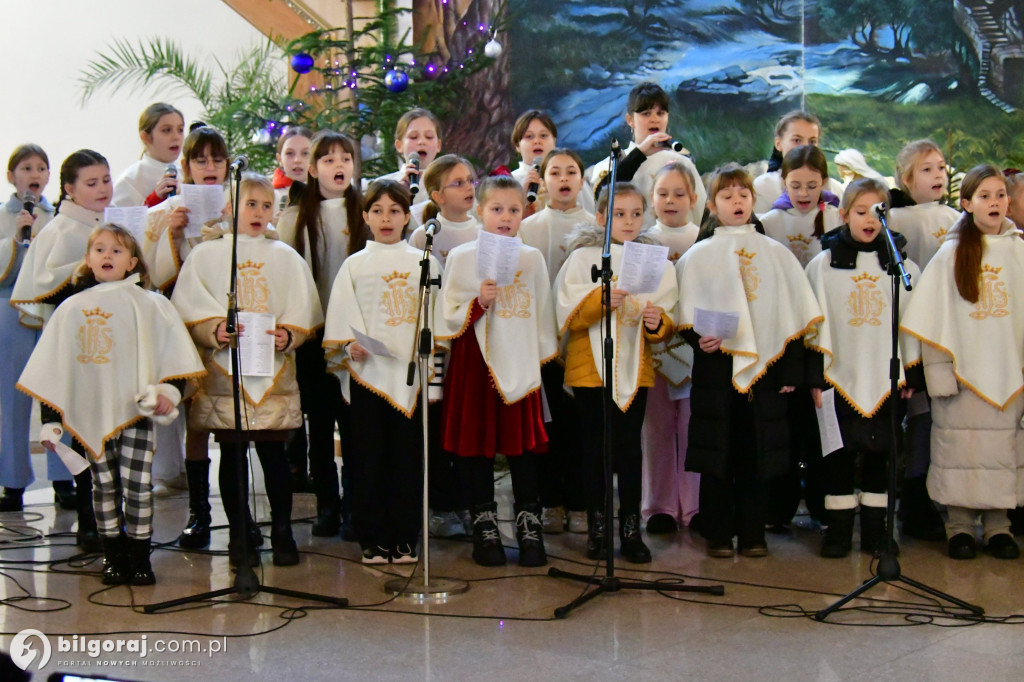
(475, 420)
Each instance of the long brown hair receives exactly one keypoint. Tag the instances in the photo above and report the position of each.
(810, 156)
(309, 231)
(969, 244)
(84, 277)
(394, 190)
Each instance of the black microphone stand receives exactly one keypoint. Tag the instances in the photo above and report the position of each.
(888, 565)
(609, 582)
(246, 584)
(423, 344)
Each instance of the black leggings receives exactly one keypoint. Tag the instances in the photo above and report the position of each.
(477, 474)
(627, 452)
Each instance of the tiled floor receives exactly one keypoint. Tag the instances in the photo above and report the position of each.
(503, 627)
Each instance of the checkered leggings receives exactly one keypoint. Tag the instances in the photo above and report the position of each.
(125, 471)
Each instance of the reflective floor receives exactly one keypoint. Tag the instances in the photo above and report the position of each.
(503, 627)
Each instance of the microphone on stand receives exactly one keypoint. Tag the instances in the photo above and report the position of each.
(674, 145)
(414, 178)
(171, 172)
(239, 165)
(880, 208)
(432, 227)
(533, 187)
(28, 203)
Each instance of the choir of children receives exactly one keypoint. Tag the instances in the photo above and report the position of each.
(774, 295)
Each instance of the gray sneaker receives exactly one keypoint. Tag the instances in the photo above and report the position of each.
(445, 524)
(577, 521)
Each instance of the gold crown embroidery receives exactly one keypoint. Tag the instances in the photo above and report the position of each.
(95, 338)
(865, 303)
(250, 265)
(96, 312)
(743, 253)
(993, 298)
(940, 234)
(865, 277)
(395, 275)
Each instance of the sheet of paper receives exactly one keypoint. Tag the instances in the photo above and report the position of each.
(828, 423)
(204, 203)
(373, 346)
(497, 257)
(131, 218)
(255, 345)
(642, 267)
(721, 325)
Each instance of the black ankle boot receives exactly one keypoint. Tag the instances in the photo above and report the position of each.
(116, 567)
(328, 518)
(530, 535)
(285, 551)
(11, 500)
(873, 536)
(487, 548)
(236, 557)
(196, 534)
(631, 543)
(839, 537)
(87, 536)
(255, 534)
(64, 495)
(596, 534)
(138, 557)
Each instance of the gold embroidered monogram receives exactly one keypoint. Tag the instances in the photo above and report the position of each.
(940, 234)
(253, 289)
(95, 338)
(630, 313)
(992, 295)
(514, 300)
(398, 302)
(865, 303)
(748, 273)
(799, 245)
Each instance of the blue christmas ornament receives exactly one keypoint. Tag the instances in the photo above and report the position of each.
(396, 81)
(302, 63)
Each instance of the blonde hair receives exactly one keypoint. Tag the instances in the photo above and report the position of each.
(730, 175)
(408, 117)
(676, 167)
(620, 189)
(862, 186)
(493, 183)
(908, 157)
(251, 181)
(84, 276)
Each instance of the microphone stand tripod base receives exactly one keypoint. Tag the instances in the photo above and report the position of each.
(437, 589)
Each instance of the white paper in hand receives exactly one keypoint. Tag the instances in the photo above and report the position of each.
(828, 423)
(131, 218)
(204, 203)
(642, 267)
(373, 346)
(720, 325)
(255, 345)
(497, 258)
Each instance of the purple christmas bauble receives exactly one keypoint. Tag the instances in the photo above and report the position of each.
(302, 63)
(396, 81)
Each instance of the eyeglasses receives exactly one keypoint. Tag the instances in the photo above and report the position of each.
(459, 184)
(204, 161)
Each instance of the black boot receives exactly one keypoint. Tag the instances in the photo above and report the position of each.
(64, 495)
(116, 567)
(1016, 517)
(255, 534)
(487, 548)
(918, 513)
(596, 534)
(11, 500)
(839, 537)
(873, 536)
(631, 544)
(530, 536)
(138, 557)
(328, 518)
(196, 534)
(285, 551)
(87, 536)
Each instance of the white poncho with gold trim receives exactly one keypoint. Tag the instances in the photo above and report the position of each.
(272, 278)
(375, 293)
(741, 271)
(985, 339)
(101, 348)
(855, 337)
(517, 334)
(574, 284)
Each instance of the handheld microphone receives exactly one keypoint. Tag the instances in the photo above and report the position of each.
(239, 165)
(171, 172)
(432, 227)
(533, 187)
(880, 208)
(674, 145)
(28, 203)
(414, 178)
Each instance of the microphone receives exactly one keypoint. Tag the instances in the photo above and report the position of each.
(171, 172)
(414, 178)
(880, 208)
(432, 227)
(240, 164)
(674, 145)
(533, 187)
(28, 203)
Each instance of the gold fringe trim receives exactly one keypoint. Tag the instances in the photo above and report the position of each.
(10, 263)
(772, 361)
(465, 325)
(576, 311)
(381, 394)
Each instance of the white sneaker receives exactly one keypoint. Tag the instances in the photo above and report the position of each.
(577, 521)
(375, 555)
(445, 524)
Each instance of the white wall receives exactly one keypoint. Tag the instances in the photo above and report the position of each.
(46, 43)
